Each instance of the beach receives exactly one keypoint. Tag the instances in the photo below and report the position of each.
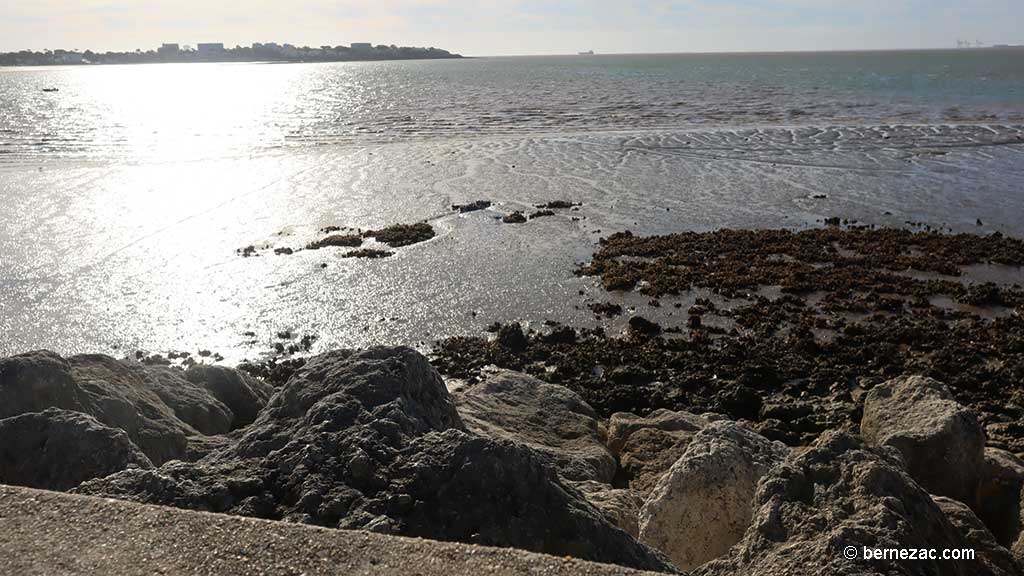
(143, 256)
(726, 314)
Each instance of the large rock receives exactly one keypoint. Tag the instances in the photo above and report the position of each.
(998, 499)
(995, 558)
(621, 506)
(372, 440)
(200, 447)
(553, 420)
(116, 394)
(646, 447)
(240, 392)
(36, 381)
(702, 506)
(940, 441)
(190, 402)
(156, 406)
(59, 449)
(842, 494)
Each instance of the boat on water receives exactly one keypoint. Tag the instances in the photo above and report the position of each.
(587, 53)
(51, 90)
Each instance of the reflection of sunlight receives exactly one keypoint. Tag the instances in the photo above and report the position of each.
(173, 112)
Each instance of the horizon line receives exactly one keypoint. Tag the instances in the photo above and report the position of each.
(776, 51)
(599, 53)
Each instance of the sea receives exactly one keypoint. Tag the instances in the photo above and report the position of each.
(127, 193)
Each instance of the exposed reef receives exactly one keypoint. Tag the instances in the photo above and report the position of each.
(400, 235)
(781, 398)
(786, 329)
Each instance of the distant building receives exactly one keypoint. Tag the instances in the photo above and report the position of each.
(361, 46)
(168, 49)
(210, 47)
(66, 57)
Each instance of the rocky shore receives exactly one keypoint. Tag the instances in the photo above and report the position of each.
(788, 330)
(834, 389)
(373, 440)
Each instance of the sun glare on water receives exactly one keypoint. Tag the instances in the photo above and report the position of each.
(175, 112)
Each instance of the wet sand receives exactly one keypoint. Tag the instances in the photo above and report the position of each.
(122, 256)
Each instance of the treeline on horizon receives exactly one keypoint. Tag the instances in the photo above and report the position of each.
(255, 53)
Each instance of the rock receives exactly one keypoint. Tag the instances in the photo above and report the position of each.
(372, 440)
(1018, 545)
(192, 403)
(498, 493)
(621, 506)
(158, 407)
(399, 235)
(551, 419)
(940, 441)
(629, 375)
(998, 498)
(641, 326)
(115, 393)
(511, 337)
(995, 558)
(559, 335)
(789, 421)
(701, 506)
(559, 204)
(36, 381)
(59, 449)
(516, 217)
(738, 401)
(843, 494)
(244, 395)
(647, 447)
(623, 425)
(606, 309)
(339, 240)
(368, 253)
(200, 447)
(472, 206)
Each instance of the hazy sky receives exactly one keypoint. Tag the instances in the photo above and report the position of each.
(485, 27)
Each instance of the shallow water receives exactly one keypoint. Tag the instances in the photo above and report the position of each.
(195, 111)
(121, 232)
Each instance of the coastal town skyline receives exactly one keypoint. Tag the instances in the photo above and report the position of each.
(517, 27)
(171, 52)
(175, 52)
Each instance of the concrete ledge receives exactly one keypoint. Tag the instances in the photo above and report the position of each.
(54, 533)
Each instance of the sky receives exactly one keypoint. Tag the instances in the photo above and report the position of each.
(507, 27)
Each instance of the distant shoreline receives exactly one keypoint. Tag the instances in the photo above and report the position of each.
(257, 53)
(101, 64)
